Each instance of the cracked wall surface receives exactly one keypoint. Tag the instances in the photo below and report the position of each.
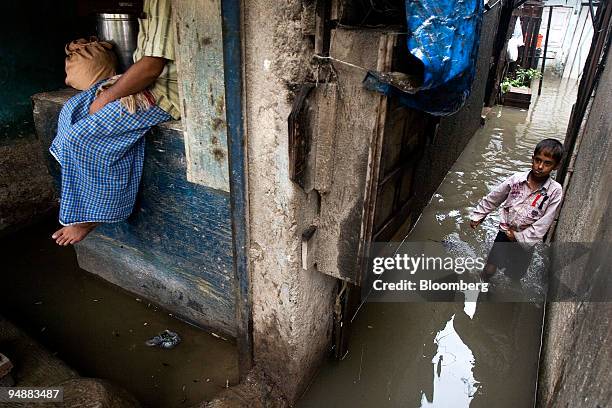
(292, 307)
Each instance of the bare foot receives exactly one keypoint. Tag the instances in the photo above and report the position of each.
(73, 233)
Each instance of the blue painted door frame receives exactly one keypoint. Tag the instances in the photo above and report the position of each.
(232, 61)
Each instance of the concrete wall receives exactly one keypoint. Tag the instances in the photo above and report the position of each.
(292, 307)
(577, 351)
(571, 32)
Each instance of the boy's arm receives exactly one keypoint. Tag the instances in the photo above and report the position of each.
(536, 231)
(491, 201)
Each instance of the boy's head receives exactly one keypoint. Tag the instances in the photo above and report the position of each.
(546, 157)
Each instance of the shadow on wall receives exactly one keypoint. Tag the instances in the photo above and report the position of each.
(32, 39)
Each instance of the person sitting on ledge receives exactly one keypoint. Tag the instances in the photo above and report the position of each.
(100, 138)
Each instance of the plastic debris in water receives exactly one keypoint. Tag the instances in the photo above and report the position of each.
(166, 339)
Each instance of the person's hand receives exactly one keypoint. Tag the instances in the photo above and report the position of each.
(98, 103)
(510, 235)
(474, 224)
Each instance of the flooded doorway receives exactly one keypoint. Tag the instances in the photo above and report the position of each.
(455, 354)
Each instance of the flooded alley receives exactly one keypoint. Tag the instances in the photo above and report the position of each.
(310, 204)
(455, 354)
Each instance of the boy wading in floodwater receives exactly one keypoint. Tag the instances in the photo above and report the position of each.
(530, 200)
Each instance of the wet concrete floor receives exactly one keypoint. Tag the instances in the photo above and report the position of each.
(100, 330)
(464, 354)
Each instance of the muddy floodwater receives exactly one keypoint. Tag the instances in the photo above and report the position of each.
(463, 354)
(100, 330)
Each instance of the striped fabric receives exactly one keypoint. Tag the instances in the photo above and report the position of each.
(156, 39)
(101, 156)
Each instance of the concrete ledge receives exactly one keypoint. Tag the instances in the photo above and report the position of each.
(182, 293)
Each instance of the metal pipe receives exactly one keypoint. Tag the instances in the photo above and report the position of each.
(572, 40)
(600, 45)
(527, 37)
(577, 46)
(579, 55)
(550, 12)
(592, 12)
(565, 32)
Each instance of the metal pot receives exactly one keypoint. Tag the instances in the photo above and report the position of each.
(122, 31)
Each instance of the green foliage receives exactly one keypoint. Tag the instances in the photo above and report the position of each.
(522, 77)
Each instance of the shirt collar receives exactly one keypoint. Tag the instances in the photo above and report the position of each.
(545, 186)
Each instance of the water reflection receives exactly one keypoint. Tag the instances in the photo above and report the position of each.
(453, 382)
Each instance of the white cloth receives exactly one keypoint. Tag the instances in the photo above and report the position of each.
(515, 41)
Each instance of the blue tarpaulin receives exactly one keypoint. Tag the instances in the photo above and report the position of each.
(444, 36)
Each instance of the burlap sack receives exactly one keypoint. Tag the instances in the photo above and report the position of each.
(89, 61)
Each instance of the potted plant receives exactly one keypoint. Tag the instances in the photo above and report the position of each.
(516, 90)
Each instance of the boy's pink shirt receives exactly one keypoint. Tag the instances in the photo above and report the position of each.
(520, 210)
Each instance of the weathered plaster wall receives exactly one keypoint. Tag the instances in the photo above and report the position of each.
(455, 131)
(25, 185)
(577, 351)
(292, 308)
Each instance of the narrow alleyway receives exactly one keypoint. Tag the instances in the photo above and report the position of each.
(455, 354)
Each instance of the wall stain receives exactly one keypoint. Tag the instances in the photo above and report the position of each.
(220, 105)
(205, 41)
(178, 33)
(217, 123)
(219, 154)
